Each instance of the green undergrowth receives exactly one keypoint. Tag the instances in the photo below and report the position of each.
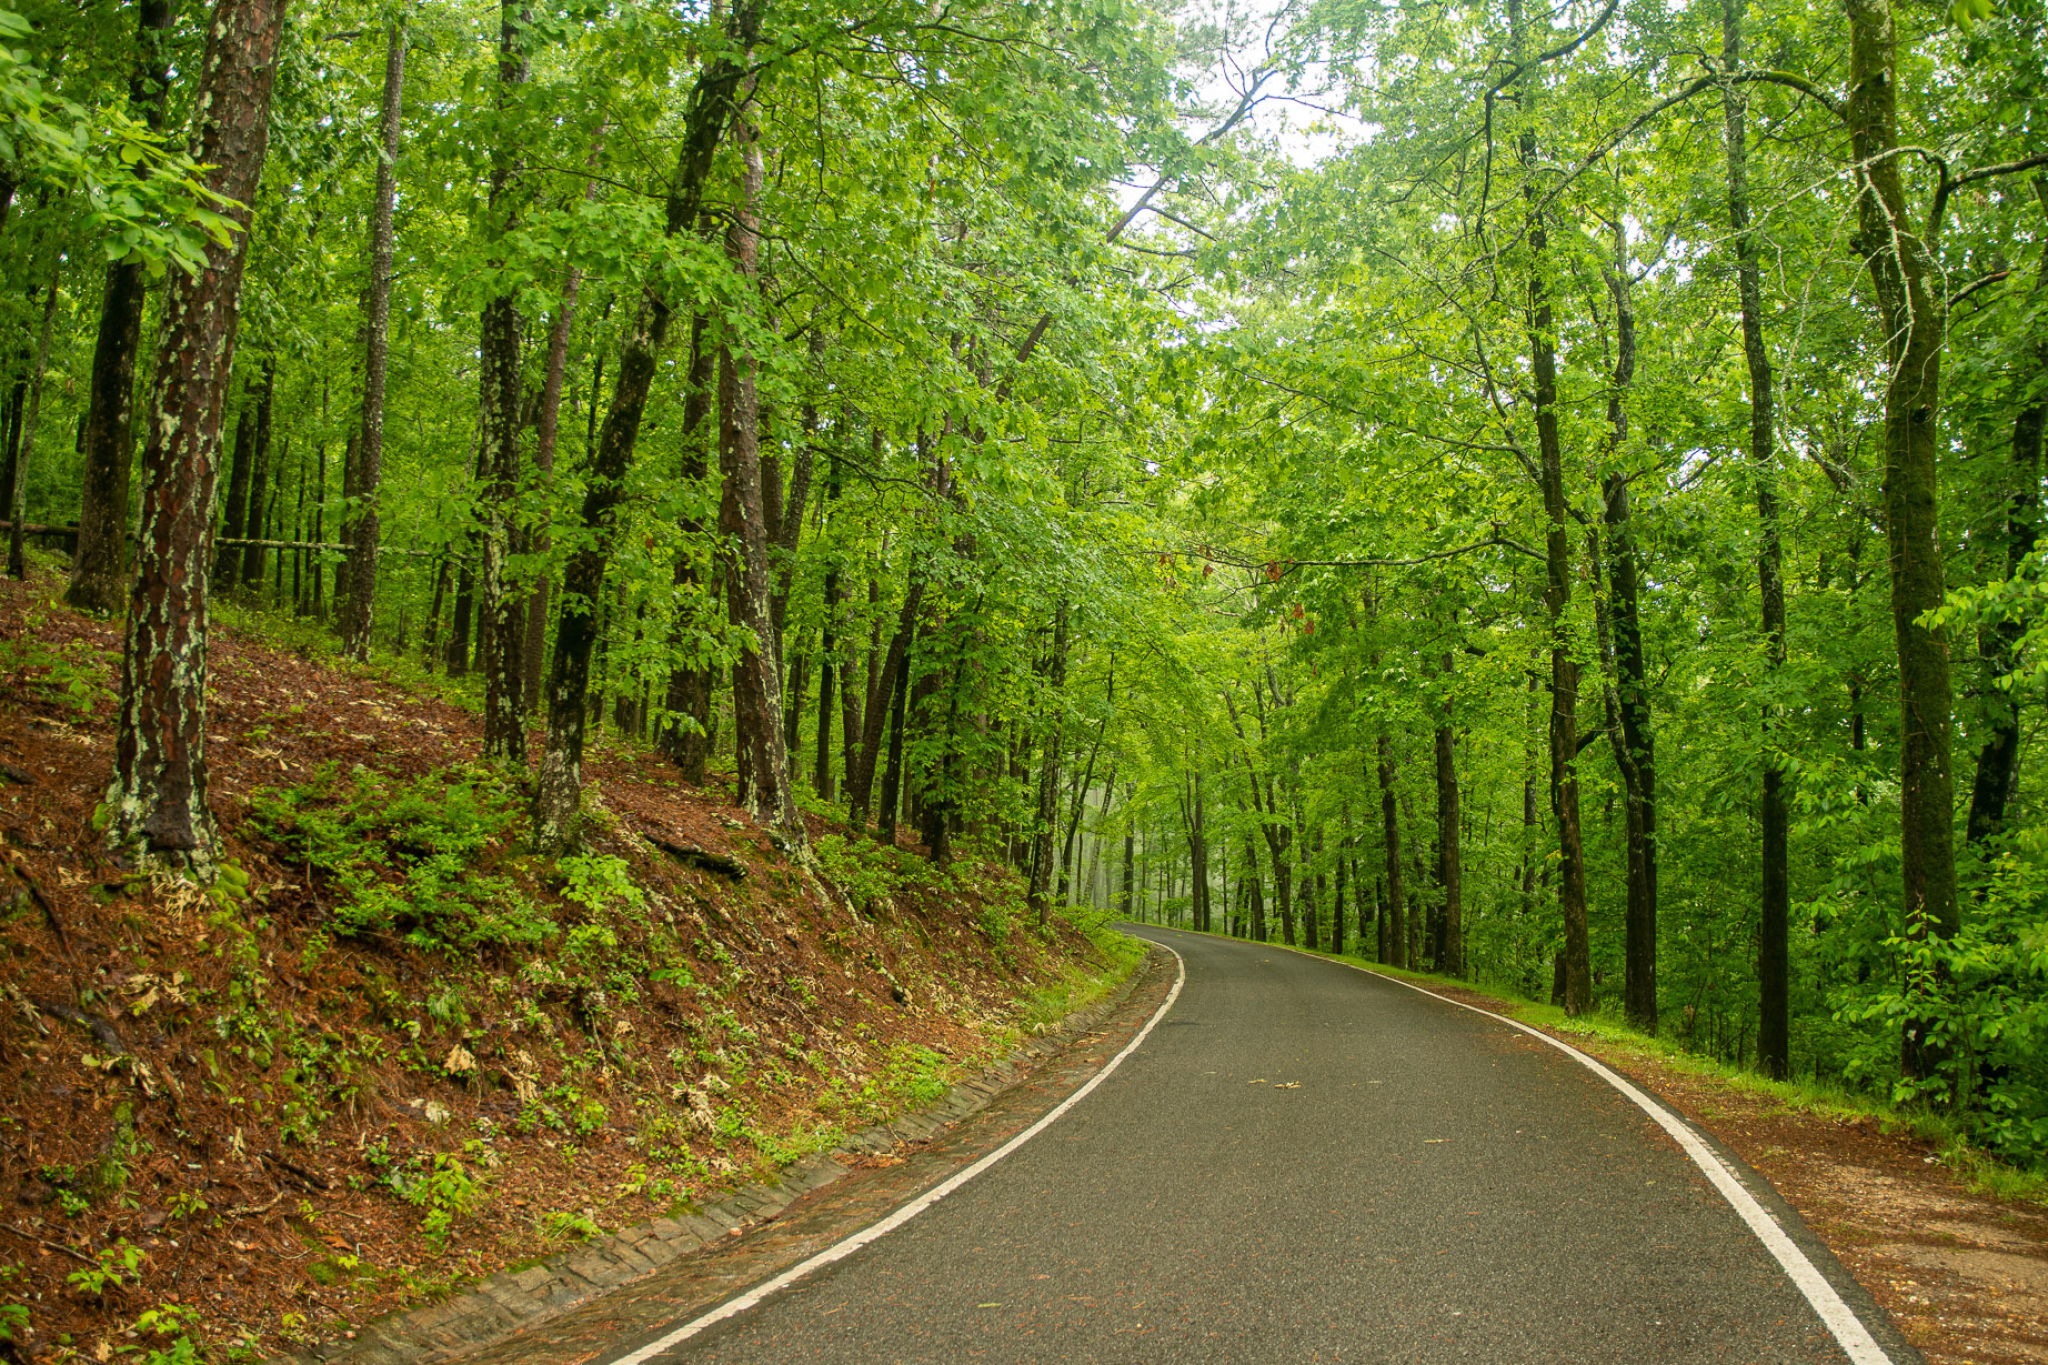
(1983, 1172)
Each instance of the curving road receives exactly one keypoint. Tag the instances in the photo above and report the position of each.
(1303, 1162)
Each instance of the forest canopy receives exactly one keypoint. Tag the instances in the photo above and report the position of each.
(1545, 495)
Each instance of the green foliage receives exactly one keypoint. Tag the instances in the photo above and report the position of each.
(14, 1317)
(407, 858)
(71, 675)
(567, 1227)
(114, 1267)
(440, 1185)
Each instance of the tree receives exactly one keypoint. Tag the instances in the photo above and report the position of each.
(157, 802)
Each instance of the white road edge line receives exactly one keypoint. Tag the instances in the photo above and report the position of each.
(840, 1250)
(1848, 1329)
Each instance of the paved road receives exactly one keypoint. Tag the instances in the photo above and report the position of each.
(1306, 1163)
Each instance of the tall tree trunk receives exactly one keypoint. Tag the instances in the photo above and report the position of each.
(547, 429)
(892, 678)
(1310, 907)
(17, 402)
(503, 619)
(368, 464)
(1084, 780)
(558, 789)
(828, 662)
(99, 571)
(1914, 312)
(758, 689)
(255, 525)
(1043, 831)
(158, 795)
(17, 558)
(1773, 969)
(1394, 935)
(892, 773)
(1128, 884)
(1628, 729)
(1564, 670)
(1450, 861)
(686, 738)
(1256, 908)
(1998, 760)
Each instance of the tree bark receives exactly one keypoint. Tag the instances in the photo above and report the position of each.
(828, 662)
(1773, 1035)
(254, 523)
(227, 558)
(157, 799)
(368, 464)
(547, 429)
(1394, 937)
(1564, 670)
(1450, 861)
(892, 772)
(1914, 312)
(1043, 829)
(99, 571)
(860, 777)
(686, 737)
(1628, 703)
(757, 679)
(503, 619)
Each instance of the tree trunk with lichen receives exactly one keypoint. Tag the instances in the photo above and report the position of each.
(156, 805)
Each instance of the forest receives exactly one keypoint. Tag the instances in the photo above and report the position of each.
(1545, 495)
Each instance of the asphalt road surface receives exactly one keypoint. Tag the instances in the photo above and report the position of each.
(1303, 1163)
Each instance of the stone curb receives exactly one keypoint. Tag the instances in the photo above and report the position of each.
(513, 1300)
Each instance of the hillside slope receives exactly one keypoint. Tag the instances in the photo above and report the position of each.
(406, 1052)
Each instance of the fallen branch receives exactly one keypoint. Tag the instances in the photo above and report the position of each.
(59, 1247)
(294, 1168)
(103, 1032)
(247, 1210)
(683, 851)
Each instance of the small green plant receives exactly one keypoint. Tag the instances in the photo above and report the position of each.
(172, 1325)
(567, 1227)
(590, 1118)
(187, 1204)
(863, 872)
(117, 1266)
(14, 1319)
(442, 1188)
